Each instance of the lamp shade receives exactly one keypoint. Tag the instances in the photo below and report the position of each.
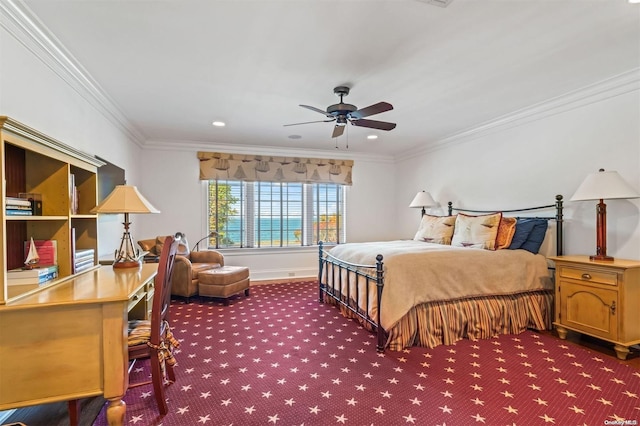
(125, 199)
(422, 199)
(604, 185)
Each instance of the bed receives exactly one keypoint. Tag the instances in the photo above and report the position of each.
(415, 292)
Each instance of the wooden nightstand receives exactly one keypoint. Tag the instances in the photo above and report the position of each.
(600, 299)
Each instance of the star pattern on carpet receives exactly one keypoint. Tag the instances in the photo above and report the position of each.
(279, 357)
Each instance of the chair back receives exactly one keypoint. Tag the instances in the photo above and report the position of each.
(162, 292)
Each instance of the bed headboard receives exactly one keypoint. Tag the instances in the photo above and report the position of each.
(557, 218)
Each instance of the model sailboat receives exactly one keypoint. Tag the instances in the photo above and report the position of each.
(32, 256)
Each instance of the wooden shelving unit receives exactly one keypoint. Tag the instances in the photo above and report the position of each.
(33, 162)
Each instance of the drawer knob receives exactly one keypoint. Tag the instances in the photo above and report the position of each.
(586, 276)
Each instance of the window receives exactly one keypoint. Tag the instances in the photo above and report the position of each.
(275, 214)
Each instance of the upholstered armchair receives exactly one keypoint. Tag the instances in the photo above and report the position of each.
(187, 265)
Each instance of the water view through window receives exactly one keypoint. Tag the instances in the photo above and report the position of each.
(275, 214)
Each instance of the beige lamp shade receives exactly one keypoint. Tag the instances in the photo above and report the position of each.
(125, 199)
(422, 199)
(604, 185)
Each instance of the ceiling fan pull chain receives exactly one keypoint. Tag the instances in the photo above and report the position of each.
(347, 136)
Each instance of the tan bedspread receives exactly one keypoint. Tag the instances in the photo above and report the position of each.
(418, 272)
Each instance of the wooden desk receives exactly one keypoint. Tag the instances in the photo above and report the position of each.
(69, 341)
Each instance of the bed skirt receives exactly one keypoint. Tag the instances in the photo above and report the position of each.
(444, 323)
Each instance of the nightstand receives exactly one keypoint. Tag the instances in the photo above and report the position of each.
(600, 299)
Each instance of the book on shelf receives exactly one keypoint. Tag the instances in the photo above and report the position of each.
(37, 275)
(73, 194)
(13, 202)
(84, 267)
(85, 262)
(83, 253)
(82, 259)
(47, 251)
(18, 212)
(34, 272)
(35, 201)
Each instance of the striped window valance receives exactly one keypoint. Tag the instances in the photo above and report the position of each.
(244, 167)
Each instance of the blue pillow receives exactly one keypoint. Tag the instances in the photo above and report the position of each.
(523, 229)
(529, 234)
(536, 237)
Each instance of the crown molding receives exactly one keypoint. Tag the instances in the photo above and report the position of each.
(617, 85)
(18, 20)
(187, 145)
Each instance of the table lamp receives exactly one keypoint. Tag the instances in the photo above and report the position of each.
(125, 199)
(603, 186)
(422, 199)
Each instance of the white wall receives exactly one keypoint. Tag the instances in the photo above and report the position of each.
(529, 163)
(32, 93)
(170, 182)
(522, 164)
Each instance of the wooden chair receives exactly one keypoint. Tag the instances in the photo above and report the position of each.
(152, 339)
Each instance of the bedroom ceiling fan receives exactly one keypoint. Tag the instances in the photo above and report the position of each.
(343, 114)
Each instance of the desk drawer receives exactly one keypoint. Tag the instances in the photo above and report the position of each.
(136, 298)
(588, 275)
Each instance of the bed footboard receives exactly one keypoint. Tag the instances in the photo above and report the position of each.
(334, 278)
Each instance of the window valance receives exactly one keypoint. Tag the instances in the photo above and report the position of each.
(222, 166)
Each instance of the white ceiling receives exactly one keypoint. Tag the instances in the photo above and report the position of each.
(172, 67)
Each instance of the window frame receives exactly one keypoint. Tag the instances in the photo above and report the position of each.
(308, 220)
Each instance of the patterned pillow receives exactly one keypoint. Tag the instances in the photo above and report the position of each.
(436, 229)
(476, 231)
(506, 231)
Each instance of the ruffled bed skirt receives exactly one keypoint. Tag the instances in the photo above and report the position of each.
(444, 323)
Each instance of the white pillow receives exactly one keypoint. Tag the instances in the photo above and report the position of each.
(476, 231)
(436, 229)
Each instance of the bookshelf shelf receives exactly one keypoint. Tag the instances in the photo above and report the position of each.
(36, 218)
(65, 180)
(84, 216)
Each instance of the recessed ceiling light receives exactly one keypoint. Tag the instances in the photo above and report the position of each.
(372, 137)
(294, 137)
(219, 123)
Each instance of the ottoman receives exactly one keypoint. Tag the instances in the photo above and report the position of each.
(223, 282)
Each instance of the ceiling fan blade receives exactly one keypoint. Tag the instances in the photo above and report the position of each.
(317, 110)
(309, 122)
(373, 124)
(372, 109)
(337, 131)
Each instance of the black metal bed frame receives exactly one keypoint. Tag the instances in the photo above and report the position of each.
(375, 273)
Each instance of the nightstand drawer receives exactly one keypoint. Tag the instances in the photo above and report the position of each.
(587, 275)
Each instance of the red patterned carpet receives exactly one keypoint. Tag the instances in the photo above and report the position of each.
(281, 358)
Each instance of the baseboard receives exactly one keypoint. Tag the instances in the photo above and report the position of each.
(283, 274)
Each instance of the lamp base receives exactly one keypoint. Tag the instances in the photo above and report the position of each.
(600, 258)
(127, 264)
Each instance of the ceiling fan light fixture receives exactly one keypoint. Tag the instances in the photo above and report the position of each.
(342, 114)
